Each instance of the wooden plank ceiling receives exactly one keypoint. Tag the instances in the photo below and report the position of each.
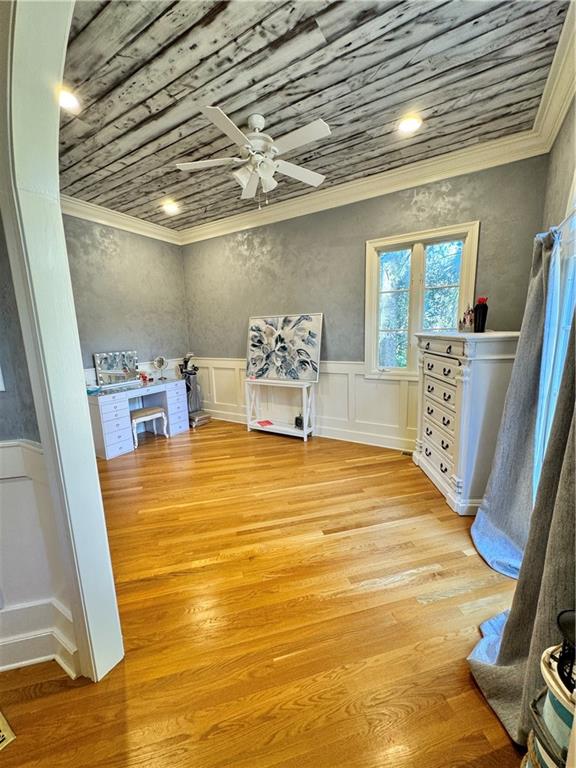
(474, 69)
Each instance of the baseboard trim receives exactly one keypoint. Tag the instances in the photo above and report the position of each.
(36, 632)
(332, 433)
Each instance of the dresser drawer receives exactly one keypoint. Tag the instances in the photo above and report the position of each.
(441, 416)
(443, 367)
(438, 439)
(443, 347)
(118, 436)
(117, 397)
(116, 424)
(441, 464)
(443, 392)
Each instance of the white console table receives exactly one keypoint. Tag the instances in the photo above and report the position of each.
(110, 413)
(254, 413)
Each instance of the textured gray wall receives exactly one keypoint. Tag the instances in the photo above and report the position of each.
(560, 171)
(128, 292)
(315, 263)
(17, 414)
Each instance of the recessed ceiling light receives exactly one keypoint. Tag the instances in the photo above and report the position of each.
(68, 101)
(171, 208)
(409, 124)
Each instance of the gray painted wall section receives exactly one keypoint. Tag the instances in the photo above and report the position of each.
(316, 263)
(17, 413)
(561, 171)
(128, 291)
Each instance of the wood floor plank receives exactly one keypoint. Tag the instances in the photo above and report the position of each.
(283, 605)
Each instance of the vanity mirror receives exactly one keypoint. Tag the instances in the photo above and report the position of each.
(113, 368)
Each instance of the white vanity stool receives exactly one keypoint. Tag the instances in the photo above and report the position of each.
(141, 415)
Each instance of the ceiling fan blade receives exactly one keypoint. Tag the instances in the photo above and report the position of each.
(250, 189)
(197, 165)
(317, 129)
(301, 174)
(222, 121)
(268, 184)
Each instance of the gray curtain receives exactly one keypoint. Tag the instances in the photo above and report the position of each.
(500, 530)
(506, 662)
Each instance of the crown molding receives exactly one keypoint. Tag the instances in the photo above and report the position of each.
(558, 94)
(80, 209)
(560, 85)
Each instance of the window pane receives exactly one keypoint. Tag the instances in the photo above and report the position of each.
(443, 263)
(394, 270)
(393, 311)
(392, 349)
(440, 308)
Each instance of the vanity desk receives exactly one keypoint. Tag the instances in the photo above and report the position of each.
(110, 413)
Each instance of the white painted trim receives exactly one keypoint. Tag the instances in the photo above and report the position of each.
(33, 39)
(36, 632)
(82, 210)
(469, 232)
(560, 85)
(337, 402)
(558, 93)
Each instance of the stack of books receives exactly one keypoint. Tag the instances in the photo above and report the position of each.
(198, 418)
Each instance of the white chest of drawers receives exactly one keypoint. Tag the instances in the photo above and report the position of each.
(110, 413)
(463, 379)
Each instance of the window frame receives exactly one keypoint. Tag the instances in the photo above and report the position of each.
(417, 241)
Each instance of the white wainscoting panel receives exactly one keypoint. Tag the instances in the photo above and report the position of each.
(349, 407)
(35, 623)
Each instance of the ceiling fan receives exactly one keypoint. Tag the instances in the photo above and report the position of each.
(259, 159)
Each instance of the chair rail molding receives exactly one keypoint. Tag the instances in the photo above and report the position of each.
(349, 406)
(558, 94)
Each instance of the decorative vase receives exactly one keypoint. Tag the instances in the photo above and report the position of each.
(480, 314)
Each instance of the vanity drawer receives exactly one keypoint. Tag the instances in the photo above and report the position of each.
(176, 397)
(441, 464)
(176, 386)
(179, 425)
(112, 398)
(443, 347)
(444, 392)
(117, 449)
(443, 367)
(436, 438)
(178, 408)
(118, 436)
(440, 416)
(112, 410)
(112, 425)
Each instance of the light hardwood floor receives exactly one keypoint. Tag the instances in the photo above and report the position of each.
(283, 605)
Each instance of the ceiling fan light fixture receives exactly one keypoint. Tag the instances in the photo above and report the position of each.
(409, 124)
(171, 207)
(242, 175)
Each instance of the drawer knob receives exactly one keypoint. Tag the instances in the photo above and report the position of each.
(445, 421)
(430, 366)
(427, 345)
(446, 371)
(449, 349)
(445, 445)
(447, 396)
(443, 468)
(428, 431)
(429, 410)
(427, 451)
(430, 388)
